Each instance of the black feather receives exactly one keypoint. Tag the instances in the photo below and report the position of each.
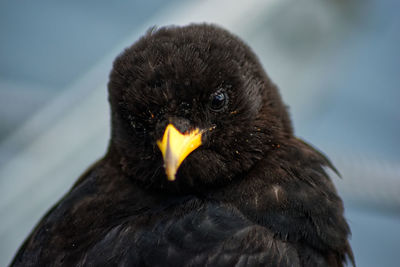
(252, 195)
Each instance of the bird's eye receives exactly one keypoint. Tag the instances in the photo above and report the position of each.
(218, 100)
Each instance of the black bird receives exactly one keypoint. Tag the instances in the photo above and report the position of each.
(203, 169)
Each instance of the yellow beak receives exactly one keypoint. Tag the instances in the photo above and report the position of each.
(175, 147)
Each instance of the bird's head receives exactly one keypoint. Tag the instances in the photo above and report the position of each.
(192, 107)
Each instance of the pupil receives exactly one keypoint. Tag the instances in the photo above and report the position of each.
(218, 100)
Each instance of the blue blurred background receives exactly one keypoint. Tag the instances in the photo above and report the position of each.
(337, 63)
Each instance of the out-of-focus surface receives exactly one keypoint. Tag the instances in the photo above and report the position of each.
(337, 63)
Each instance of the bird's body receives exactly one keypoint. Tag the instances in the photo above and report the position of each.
(251, 195)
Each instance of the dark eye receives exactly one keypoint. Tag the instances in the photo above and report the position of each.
(218, 100)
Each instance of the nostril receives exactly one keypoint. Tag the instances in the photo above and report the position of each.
(181, 124)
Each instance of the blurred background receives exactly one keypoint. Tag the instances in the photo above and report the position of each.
(337, 63)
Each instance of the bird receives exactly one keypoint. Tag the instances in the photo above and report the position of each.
(202, 169)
